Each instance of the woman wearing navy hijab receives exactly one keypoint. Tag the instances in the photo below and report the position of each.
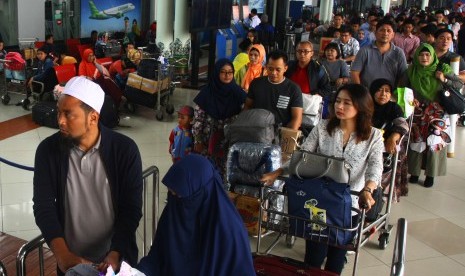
(200, 232)
(217, 105)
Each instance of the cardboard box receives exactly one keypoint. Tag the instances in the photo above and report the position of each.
(149, 86)
(153, 86)
(134, 80)
(249, 209)
(29, 53)
(289, 140)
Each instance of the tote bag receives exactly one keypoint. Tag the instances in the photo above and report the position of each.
(322, 201)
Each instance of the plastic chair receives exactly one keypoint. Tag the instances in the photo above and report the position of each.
(39, 44)
(82, 47)
(65, 72)
(72, 45)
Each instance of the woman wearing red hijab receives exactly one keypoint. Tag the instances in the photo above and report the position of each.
(90, 68)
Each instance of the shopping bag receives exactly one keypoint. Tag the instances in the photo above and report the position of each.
(405, 100)
(326, 203)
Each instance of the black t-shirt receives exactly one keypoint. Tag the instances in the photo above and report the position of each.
(447, 58)
(278, 98)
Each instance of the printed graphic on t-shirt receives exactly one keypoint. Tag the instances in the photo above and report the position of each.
(283, 102)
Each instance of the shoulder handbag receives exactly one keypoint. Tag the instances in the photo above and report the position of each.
(451, 100)
(305, 164)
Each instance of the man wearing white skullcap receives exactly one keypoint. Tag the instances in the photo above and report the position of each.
(87, 185)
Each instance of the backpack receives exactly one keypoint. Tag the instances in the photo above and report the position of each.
(253, 125)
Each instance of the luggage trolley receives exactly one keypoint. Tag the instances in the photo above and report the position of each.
(152, 93)
(313, 230)
(15, 74)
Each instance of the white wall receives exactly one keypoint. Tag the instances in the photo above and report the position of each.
(31, 21)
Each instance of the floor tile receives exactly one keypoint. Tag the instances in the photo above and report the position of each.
(434, 267)
(440, 235)
(438, 203)
(460, 258)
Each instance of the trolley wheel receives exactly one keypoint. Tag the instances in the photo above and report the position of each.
(5, 99)
(383, 240)
(159, 115)
(290, 241)
(130, 107)
(25, 104)
(169, 109)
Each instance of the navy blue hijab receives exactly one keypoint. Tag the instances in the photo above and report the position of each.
(221, 100)
(200, 232)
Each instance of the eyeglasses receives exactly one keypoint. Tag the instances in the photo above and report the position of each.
(305, 52)
(230, 73)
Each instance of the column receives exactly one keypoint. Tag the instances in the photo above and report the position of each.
(323, 5)
(181, 24)
(386, 5)
(424, 3)
(165, 22)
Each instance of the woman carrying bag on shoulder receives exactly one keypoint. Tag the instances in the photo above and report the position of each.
(348, 134)
(428, 78)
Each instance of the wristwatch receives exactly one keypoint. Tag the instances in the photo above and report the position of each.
(366, 189)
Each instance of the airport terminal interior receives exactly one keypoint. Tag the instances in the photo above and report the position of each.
(435, 243)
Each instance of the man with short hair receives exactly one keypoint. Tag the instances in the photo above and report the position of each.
(266, 33)
(443, 41)
(254, 19)
(427, 33)
(381, 59)
(407, 41)
(87, 185)
(309, 75)
(348, 45)
(440, 17)
(277, 93)
(338, 21)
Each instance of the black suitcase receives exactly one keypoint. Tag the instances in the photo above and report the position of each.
(45, 114)
(109, 114)
(140, 97)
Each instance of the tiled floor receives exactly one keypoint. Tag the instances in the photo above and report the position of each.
(436, 229)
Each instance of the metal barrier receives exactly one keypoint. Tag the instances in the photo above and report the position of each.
(38, 242)
(398, 259)
(2, 269)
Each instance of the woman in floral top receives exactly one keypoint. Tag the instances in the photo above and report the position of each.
(348, 133)
(217, 104)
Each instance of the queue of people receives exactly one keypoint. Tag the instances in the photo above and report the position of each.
(359, 126)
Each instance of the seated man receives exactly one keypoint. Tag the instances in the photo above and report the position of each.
(277, 93)
(87, 185)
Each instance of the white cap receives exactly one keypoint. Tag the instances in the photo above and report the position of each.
(87, 91)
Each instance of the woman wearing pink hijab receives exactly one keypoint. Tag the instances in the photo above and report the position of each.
(90, 68)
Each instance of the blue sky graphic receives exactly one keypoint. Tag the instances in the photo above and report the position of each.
(111, 24)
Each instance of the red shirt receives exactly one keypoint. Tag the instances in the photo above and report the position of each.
(300, 77)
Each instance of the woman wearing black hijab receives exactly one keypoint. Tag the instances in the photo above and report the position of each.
(389, 117)
(216, 105)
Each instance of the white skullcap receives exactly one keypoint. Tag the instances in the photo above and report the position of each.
(87, 91)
